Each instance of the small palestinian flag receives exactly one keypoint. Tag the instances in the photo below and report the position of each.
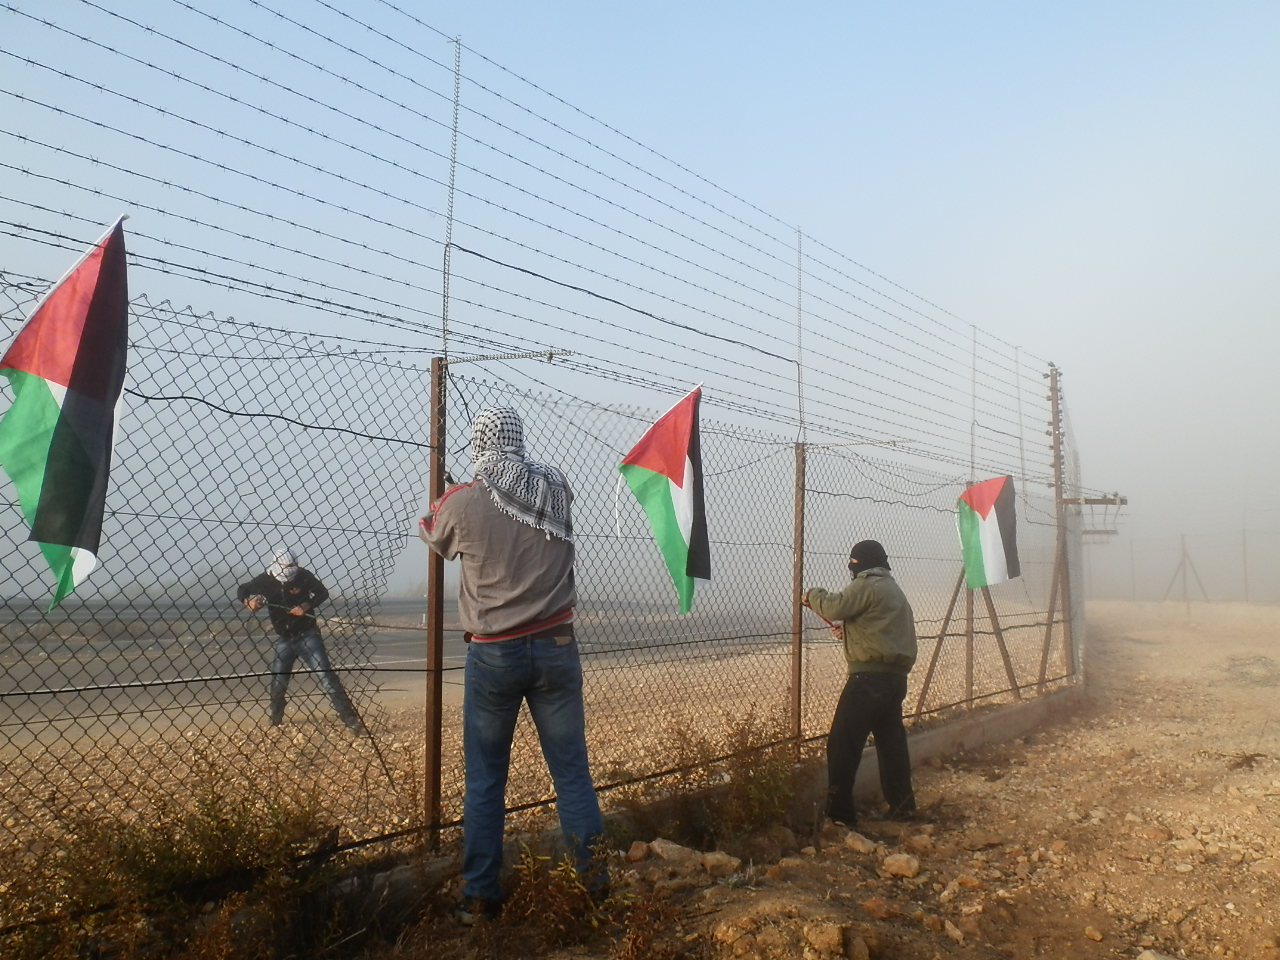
(66, 367)
(988, 532)
(664, 471)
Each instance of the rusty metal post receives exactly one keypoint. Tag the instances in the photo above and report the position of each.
(797, 588)
(968, 646)
(1004, 650)
(1059, 496)
(1053, 609)
(937, 645)
(435, 615)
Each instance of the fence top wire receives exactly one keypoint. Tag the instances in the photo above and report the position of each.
(565, 195)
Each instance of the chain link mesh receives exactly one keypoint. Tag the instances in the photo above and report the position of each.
(650, 672)
(232, 439)
(851, 496)
(235, 438)
(653, 675)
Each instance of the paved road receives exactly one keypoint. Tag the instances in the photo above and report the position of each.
(87, 667)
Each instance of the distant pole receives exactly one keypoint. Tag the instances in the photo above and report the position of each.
(1075, 657)
(1244, 560)
(1186, 594)
(1133, 571)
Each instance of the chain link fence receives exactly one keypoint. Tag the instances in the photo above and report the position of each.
(850, 496)
(151, 679)
(658, 682)
(655, 679)
(235, 438)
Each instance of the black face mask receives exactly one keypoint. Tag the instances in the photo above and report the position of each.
(867, 554)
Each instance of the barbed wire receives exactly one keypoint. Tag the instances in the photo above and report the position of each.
(291, 223)
(296, 171)
(755, 411)
(353, 309)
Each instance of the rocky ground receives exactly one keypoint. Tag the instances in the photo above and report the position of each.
(1147, 823)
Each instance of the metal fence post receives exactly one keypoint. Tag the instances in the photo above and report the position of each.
(968, 647)
(1063, 559)
(435, 615)
(797, 588)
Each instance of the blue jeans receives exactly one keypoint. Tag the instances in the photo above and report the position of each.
(543, 670)
(311, 649)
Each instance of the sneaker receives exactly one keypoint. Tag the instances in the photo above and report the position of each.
(471, 910)
(847, 820)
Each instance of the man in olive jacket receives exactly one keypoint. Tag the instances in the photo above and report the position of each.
(879, 634)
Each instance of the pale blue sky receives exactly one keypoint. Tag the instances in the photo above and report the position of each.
(1096, 182)
(1093, 182)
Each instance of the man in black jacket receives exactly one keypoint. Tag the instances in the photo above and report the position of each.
(291, 595)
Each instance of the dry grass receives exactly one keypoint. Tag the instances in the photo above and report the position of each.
(98, 817)
(194, 876)
(225, 866)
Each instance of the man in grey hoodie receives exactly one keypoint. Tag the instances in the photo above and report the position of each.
(512, 531)
(878, 630)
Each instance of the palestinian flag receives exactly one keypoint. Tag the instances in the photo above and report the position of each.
(988, 532)
(66, 368)
(664, 471)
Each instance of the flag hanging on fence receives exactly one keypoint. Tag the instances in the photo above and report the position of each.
(988, 532)
(664, 471)
(66, 368)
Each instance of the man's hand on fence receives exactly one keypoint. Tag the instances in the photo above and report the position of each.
(804, 599)
(255, 603)
(837, 631)
(298, 611)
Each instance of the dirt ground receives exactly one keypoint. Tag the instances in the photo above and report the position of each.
(1147, 820)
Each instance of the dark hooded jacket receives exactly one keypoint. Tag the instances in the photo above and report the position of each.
(304, 588)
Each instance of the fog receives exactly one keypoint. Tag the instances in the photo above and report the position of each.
(1094, 182)
(1090, 184)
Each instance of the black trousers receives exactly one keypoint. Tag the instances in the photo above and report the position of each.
(870, 705)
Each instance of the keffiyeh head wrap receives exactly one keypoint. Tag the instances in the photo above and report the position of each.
(283, 566)
(530, 492)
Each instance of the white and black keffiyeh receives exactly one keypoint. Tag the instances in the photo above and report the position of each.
(283, 565)
(532, 493)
